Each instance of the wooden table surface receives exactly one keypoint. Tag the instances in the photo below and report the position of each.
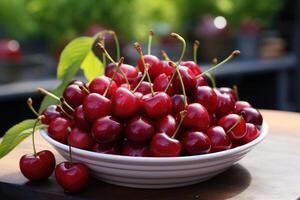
(270, 171)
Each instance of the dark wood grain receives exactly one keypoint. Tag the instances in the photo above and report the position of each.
(270, 171)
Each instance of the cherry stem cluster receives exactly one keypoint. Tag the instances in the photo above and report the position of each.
(195, 50)
(165, 55)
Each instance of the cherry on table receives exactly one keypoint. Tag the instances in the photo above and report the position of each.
(218, 138)
(195, 142)
(58, 129)
(80, 139)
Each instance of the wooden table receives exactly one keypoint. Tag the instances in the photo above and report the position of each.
(270, 171)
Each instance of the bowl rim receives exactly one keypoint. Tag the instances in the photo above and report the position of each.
(263, 133)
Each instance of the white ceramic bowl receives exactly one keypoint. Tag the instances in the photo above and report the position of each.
(150, 172)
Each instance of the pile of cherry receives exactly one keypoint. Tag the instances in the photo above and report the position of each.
(159, 108)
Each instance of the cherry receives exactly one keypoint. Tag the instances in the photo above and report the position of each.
(161, 83)
(77, 82)
(164, 146)
(80, 139)
(213, 120)
(207, 97)
(130, 149)
(166, 68)
(50, 113)
(99, 85)
(39, 166)
(219, 139)
(188, 78)
(154, 65)
(95, 106)
(157, 105)
(129, 70)
(253, 116)
(178, 103)
(201, 81)
(234, 125)
(106, 149)
(74, 95)
(192, 66)
(106, 130)
(72, 177)
(58, 129)
(251, 133)
(166, 125)
(197, 117)
(125, 104)
(229, 91)
(139, 130)
(144, 87)
(79, 119)
(240, 105)
(225, 104)
(195, 142)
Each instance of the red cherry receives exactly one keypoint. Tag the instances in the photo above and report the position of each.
(156, 106)
(166, 68)
(130, 149)
(218, 138)
(161, 82)
(50, 113)
(201, 81)
(229, 91)
(253, 116)
(74, 95)
(125, 104)
(251, 133)
(95, 106)
(177, 104)
(106, 130)
(195, 142)
(166, 125)
(144, 88)
(225, 104)
(207, 97)
(164, 146)
(188, 78)
(37, 167)
(139, 130)
(58, 129)
(240, 105)
(230, 120)
(192, 66)
(154, 65)
(72, 177)
(196, 118)
(130, 72)
(99, 85)
(213, 120)
(79, 119)
(80, 139)
(77, 82)
(106, 149)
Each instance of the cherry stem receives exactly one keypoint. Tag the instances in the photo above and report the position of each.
(212, 80)
(65, 112)
(149, 80)
(117, 43)
(70, 150)
(165, 55)
(232, 55)
(29, 103)
(113, 76)
(102, 41)
(236, 123)
(178, 37)
(63, 101)
(84, 89)
(142, 79)
(33, 131)
(182, 116)
(195, 50)
(181, 82)
(45, 92)
(114, 62)
(236, 91)
(171, 79)
(151, 33)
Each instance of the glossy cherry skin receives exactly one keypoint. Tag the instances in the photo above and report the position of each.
(225, 104)
(218, 138)
(72, 177)
(144, 88)
(188, 78)
(58, 129)
(201, 81)
(166, 125)
(197, 117)
(95, 106)
(130, 72)
(79, 119)
(125, 104)
(228, 121)
(240, 105)
(251, 133)
(213, 120)
(50, 113)
(156, 106)
(80, 139)
(161, 82)
(253, 116)
(107, 130)
(195, 142)
(154, 65)
(37, 167)
(106, 149)
(74, 95)
(207, 97)
(164, 146)
(177, 104)
(166, 68)
(139, 130)
(192, 66)
(99, 85)
(229, 91)
(131, 149)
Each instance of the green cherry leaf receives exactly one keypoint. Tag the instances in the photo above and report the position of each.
(92, 66)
